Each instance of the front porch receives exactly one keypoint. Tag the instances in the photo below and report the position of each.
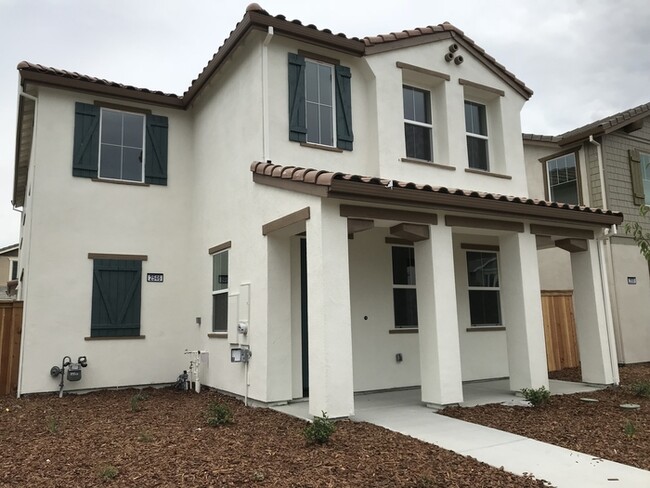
(374, 406)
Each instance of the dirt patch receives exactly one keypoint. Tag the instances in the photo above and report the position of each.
(602, 429)
(164, 440)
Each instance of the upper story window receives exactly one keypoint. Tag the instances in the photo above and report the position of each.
(417, 123)
(121, 151)
(320, 103)
(319, 99)
(484, 288)
(119, 145)
(477, 135)
(220, 291)
(13, 269)
(562, 178)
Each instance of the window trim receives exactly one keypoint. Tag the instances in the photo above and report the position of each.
(143, 157)
(429, 125)
(395, 286)
(553, 157)
(481, 249)
(225, 290)
(485, 138)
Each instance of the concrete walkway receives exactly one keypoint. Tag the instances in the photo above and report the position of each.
(402, 411)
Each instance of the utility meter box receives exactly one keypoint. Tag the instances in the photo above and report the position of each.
(74, 372)
(240, 355)
(242, 327)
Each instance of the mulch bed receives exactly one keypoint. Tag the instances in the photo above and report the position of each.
(96, 439)
(601, 429)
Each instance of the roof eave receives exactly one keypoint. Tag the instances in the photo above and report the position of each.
(601, 130)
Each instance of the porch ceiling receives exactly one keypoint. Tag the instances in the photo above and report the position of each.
(344, 186)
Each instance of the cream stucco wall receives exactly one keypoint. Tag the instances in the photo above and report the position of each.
(70, 217)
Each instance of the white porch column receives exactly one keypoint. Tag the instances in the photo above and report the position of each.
(328, 301)
(278, 323)
(440, 368)
(521, 304)
(591, 327)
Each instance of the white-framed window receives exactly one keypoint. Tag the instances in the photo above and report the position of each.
(645, 175)
(319, 100)
(220, 291)
(562, 179)
(13, 269)
(122, 145)
(417, 123)
(476, 129)
(405, 302)
(483, 287)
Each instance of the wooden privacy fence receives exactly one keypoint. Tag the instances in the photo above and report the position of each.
(11, 325)
(560, 330)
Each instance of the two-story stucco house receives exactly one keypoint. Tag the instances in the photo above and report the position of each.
(607, 164)
(335, 205)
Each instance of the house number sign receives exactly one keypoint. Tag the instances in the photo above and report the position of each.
(155, 277)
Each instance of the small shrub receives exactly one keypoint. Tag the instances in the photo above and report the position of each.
(629, 429)
(258, 476)
(108, 472)
(52, 425)
(320, 430)
(136, 400)
(219, 414)
(641, 389)
(145, 437)
(538, 397)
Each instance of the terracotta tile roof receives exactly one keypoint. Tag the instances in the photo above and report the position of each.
(607, 124)
(25, 66)
(328, 178)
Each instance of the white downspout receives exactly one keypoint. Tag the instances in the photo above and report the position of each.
(609, 322)
(23, 261)
(265, 96)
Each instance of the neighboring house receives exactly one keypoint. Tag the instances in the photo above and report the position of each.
(574, 167)
(235, 217)
(8, 270)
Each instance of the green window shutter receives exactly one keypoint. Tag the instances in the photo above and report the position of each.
(297, 120)
(116, 298)
(85, 153)
(637, 177)
(344, 135)
(155, 167)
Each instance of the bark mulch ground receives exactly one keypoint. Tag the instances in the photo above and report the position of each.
(108, 438)
(602, 429)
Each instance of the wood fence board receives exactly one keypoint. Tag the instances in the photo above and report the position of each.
(11, 315)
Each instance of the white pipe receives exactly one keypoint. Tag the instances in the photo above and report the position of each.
(265, 96)
(609, 319)
(32, 164)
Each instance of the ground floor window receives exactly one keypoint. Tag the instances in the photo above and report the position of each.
(405, 302)
(220, 291)
(116, 297)
(483, 286)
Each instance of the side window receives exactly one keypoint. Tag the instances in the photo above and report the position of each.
(404, 291)
(116, 298)
(417, 123)
(320, 105)
(119, 145)
(562, 179)
(483, 286)
(477, 136)
(13, 271)
(220, 292)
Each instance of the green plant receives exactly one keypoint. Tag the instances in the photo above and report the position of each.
(320, 430)
(641, 388)
(52, 425)
(641, 238)
(108, 472)
(145, 437)
(538, 397)
(219, 414)
(135, 401)
(258, 476)
(629, 429)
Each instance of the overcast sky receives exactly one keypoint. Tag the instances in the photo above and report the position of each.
(584, 59)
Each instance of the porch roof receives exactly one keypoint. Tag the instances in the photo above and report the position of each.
(345, 186)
